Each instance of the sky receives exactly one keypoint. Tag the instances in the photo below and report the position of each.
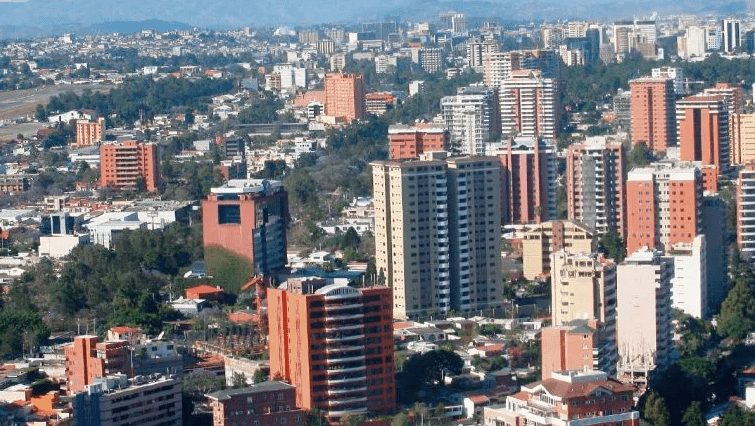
(239, 13)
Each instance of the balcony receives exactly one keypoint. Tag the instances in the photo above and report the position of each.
(344, 390)
(345, 359)
(346, 380)
(342, 338)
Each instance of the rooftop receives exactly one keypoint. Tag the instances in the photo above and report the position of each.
(272, 386)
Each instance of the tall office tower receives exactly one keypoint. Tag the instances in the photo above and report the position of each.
(716, 235)
(689, 287)
(643, 315)
(552, 36)
(412, 141)
(653, 113)
(382, 30)
(530, 105)
(550, 237)
(528, 181)
(335, 345)
(583, 287)
(596, 185)
(344, 96)
(622, 35)
(470, 117)
(746, 212)
(732, 37)
(434, 239)
(703, 129)
(498, 66)
(742, 138)
(246, 220)
(429, 59)
(713, 39)
(664, 203)
(694, 43)
(129, 164)
(734, 95)
(578, 345)
(477, 51)
(622, 107)
(326, 47)
(89, 132)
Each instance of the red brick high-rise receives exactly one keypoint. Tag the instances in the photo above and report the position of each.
(335, 344)
(704, 131)
(579, 345)
(664, 204)
(528, 181)
(344, 96)
(123, 164)
(89, 132)
(411, 141)
(87, 359)
(653, 116)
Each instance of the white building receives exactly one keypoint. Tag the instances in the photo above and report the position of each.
(58, 246)
(470, 117)
(689, 287)
(529, 105)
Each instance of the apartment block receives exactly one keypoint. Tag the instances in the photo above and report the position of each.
(116, 401)
(689, 286)
(412, 141)
(742, 138)
(89, 132)
(335, 346)
(530, 105)
(664, 204)
(471, 118)
(246, 218)
(596, 185)
(541, 241)
(653, 113)
(270, 403)
(568, 398)
(437, 242)
(643, 315)
(746, 212)
(703, 129)
(583, 287)
(578, 345)
(88, 359)
(430, 59)
(528, 181)
(498, 66)
(126, 164)
(344, 96)
(477, 51)
(734, 96)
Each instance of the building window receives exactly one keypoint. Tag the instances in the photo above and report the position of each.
(229, 214)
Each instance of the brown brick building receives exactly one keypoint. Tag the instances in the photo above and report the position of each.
(264, 404)
(123, 164)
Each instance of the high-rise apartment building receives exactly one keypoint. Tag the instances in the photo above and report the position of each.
(733, 95)
(264, 404)
(578, 345)
(116, 401)
(89, 132)
(530, 105)
(664, 203)
(746, 212)
(477, 51)
(471, 116)
(653, 113)
(429, 59)
(689, 286)
(583, 287)
(129, 164)
(498, 66)
(344, 96)
(540, 242)
(528, 181)
(436, 235)
(412, 141)
(596, 185)
(732, 36)
(335, 346)
(742, 138)
(693, 44)
(703, 129)
(643, 315)
(246, 219)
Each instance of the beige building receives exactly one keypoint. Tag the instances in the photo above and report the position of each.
(437, 233)
(643, 314)
(742, 138)
(549, 237)
(583, 287)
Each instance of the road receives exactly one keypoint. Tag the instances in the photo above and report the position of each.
(20, 103)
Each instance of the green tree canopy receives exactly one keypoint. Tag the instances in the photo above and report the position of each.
(737, 317)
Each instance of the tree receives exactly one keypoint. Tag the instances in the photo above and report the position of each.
(655, 410)
(40, 114)
(239, 380)
(400, 419)
(693, 415)
(737, 315)
(259, 376)
(441, 362)
(613, 246)
(640, 155)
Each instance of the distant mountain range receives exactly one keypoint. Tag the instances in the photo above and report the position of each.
(33, 18)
